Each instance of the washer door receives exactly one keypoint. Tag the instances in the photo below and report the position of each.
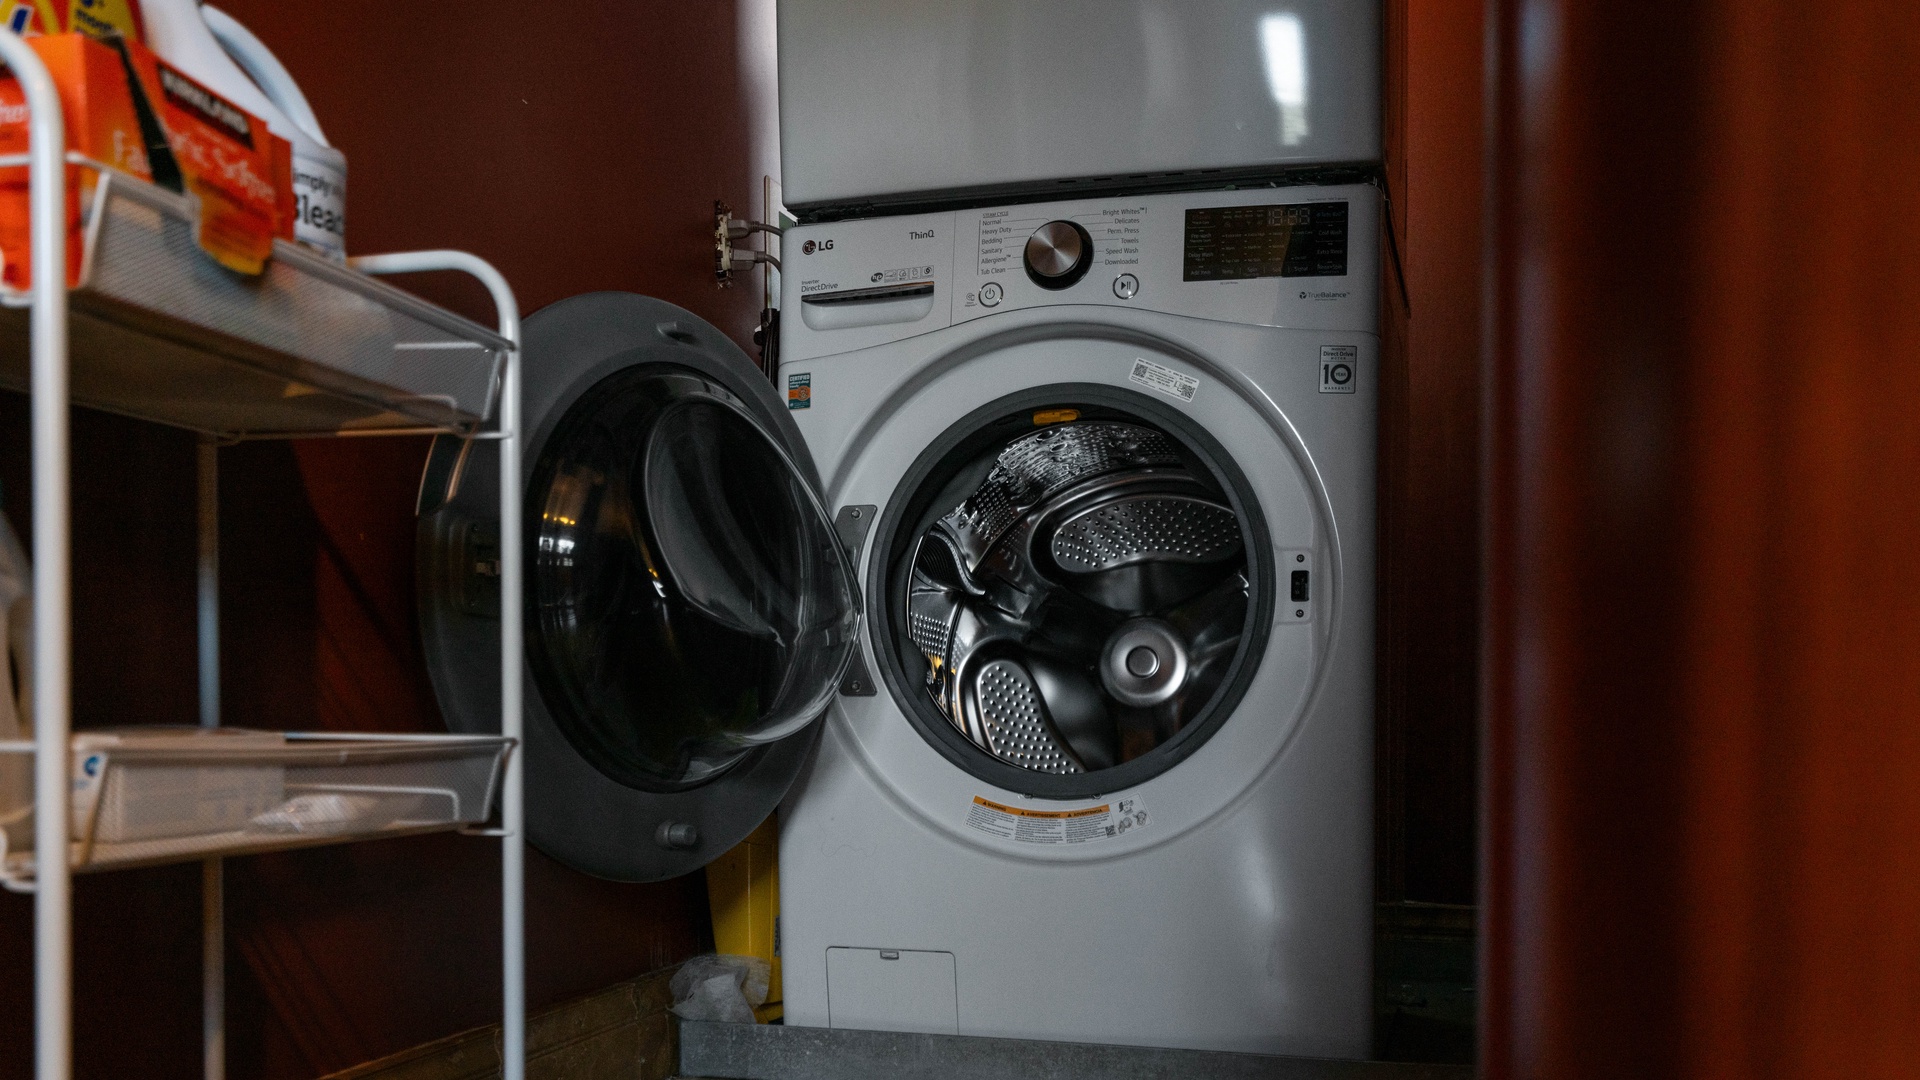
(689, 608)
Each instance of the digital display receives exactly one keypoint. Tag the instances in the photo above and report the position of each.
(1295, 240)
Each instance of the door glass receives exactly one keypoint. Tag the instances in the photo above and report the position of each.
(689, 600)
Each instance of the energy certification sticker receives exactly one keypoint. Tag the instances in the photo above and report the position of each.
(800, 390)
(1085, 825)
(1160, 377)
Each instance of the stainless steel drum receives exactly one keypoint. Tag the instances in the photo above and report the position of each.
(1083, 603)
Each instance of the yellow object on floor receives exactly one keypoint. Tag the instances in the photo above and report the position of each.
(743, 893)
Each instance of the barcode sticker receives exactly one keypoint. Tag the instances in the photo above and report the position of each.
(1175, 384)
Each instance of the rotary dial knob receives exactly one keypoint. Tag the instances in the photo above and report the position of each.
(1058, 254)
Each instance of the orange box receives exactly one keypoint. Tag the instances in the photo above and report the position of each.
(226, 159)
(102, 123)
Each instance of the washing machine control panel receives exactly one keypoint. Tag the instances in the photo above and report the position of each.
(1299, 257)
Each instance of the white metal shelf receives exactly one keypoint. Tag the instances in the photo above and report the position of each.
(149, 796)
(157, 331)
(309, 347)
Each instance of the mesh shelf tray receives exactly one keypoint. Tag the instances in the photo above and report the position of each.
(142, 796)
(161, 332)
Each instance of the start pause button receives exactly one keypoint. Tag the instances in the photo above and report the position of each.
(1339, 368)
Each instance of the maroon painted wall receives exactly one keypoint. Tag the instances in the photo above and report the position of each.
(1703, 611)
(1429, 456)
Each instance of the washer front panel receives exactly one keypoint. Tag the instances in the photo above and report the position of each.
(1262, 443)
(1230, 908)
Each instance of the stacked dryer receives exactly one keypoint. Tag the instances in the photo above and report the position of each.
(1080, 329)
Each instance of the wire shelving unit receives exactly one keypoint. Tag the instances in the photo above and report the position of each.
(154, 330)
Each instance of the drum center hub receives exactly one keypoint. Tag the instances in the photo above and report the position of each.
(1144, 663)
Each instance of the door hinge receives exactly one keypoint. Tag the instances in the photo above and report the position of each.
(727, 230)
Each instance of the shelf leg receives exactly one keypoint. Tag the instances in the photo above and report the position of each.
(213, 969)
(513, 852)
(209, 580)
(52, 566)
(213, 898)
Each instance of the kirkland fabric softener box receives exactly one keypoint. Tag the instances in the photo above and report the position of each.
(228, 160)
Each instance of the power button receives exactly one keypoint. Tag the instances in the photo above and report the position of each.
(990, 294)
(1125, 286)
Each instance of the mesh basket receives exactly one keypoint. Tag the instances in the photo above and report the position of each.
(151, 795)
(162, 332)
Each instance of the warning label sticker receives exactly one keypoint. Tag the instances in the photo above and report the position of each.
(1160, 377)
(1080, 826)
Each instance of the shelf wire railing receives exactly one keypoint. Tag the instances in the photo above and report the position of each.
(513, 855)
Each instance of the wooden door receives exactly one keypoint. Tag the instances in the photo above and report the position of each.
(1702, 624)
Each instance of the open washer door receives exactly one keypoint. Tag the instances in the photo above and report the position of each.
(689, 608)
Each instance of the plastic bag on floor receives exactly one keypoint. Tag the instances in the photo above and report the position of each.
(719, 987)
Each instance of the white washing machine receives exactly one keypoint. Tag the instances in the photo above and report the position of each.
(1102, 435)
(1102, 770)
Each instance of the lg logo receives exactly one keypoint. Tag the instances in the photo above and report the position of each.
(810, 247)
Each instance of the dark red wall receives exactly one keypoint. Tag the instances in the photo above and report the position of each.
(1703, 622)
(575, 147)
(1429, 455)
